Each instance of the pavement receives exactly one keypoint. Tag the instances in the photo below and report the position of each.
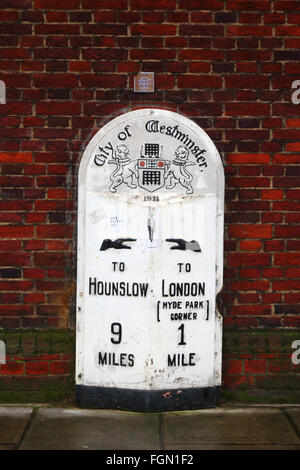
(45, 427)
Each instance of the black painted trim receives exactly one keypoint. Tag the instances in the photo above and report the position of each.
(147, 400)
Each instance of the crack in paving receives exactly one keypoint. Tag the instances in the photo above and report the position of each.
(292, 423)
(26, 428)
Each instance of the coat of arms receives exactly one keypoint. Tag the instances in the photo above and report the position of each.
(150, 171)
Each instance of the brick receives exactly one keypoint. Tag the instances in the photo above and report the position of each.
(286, 231)
(105, 4)
(59, 367)
(57, 108)
(286, 205)
(12, 368)
(46, 29)
(286, 285)
(57, 5)
(272, 194)
(247, 109)
(249, 231)
(201, 30)
(248, 259)
(60, 80)
(244, 182)
(249, 31)
(105, 29)
(247, 245)
(152, 54)
(205, 4)
(286, 158)
(36, 368)
(287, 31)
(153, 30)
(256, 366)
(243, 5)
(16, 231)
(55, 53)
(232, 367)
(198, 81)
(9, 298)
(237, 382)
(7, 16)
(15, 310)
(34, 273)
(254, 158)
(155, 5)
(103, 81)
(254, 310)
(22, 157)
(16, 285)
(57, 245)
(48, 310)
(51, 259)
(35, 298)
(10, 273)
(194, 54)
(254, 285)
(54, 231)
(286, 259)
(18, 109)
(293, 245)
(274, 245)
(279, 367)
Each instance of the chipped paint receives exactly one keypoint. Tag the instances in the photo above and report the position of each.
(162, 241)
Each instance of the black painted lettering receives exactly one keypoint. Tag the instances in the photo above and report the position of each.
(122, 360)
(183, 289)
(92, 284)
(181, 342)
(183, 360)
(122, 267)
(109, 147)
(117, 288)
(116, 330)
(102, 360)
(163, 288)
(115, 362)
(122, 288)
(191, 358)
(102, 150)
(131, 360)
(171, 361)
(114, 359)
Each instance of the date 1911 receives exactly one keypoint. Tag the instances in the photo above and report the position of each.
(151, 198)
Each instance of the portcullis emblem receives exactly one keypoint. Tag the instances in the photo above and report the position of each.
(151, 168)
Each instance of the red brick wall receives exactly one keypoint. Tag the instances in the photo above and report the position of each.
(229, 65)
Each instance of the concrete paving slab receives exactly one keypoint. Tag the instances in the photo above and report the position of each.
(12, 424)
(231, 447)
(73, 429)
(249, 426)
(294, 414)
(7, 446)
